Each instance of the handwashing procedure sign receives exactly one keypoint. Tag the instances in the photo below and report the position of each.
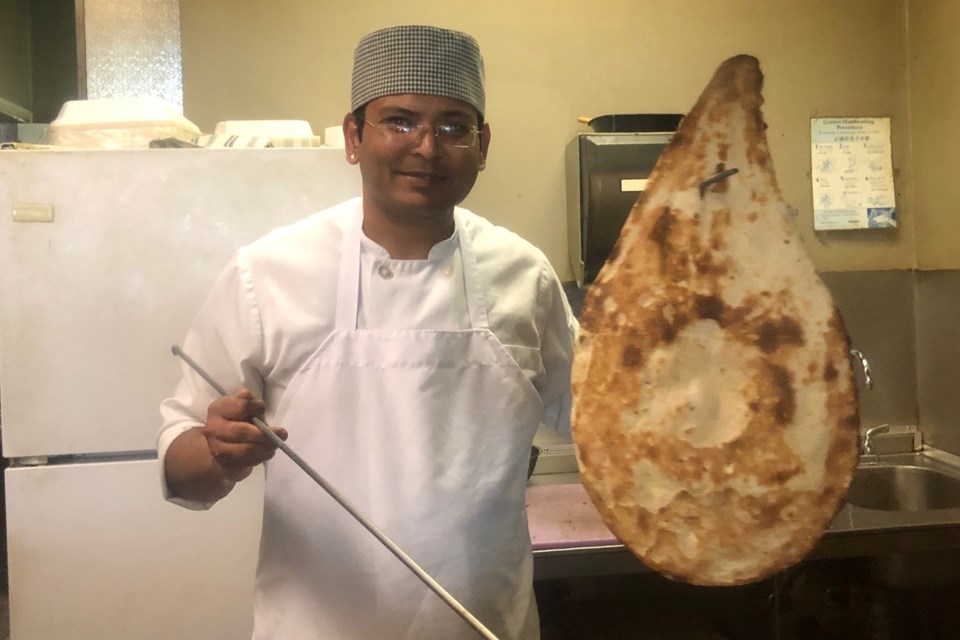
(852, 173)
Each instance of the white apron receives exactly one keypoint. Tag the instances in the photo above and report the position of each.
(428, 434)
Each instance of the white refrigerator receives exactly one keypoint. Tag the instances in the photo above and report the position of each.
(105, 256)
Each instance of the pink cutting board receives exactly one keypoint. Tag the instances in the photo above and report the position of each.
(562, 515)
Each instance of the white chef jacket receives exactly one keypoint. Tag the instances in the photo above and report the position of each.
(274, 304)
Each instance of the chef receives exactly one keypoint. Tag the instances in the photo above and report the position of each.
(404, 346)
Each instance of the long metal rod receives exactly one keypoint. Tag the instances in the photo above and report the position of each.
(723, 175)
(452, 602)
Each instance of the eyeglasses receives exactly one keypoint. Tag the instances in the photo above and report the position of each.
(401, 132)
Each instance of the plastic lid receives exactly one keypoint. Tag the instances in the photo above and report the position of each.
(118, 113)
(266, 128)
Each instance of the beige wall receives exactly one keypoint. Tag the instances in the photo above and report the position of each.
(549, 62)
(934, 60)
(935, 117)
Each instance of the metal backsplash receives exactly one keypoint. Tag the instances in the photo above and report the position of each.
(878, 310)
(129, 48)
(938, 357)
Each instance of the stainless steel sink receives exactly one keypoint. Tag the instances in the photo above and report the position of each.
(903, 487)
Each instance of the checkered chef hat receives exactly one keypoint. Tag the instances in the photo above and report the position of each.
(417, 59)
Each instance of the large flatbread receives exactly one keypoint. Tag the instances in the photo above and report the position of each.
(715, 414)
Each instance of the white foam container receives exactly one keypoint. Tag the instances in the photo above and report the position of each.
(333, 137)
(118, 123)
(280, 133)
(265, 128)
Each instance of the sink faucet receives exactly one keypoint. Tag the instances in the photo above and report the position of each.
(868, 437)
(865, 364)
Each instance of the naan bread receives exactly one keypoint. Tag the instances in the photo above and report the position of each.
(715, 415)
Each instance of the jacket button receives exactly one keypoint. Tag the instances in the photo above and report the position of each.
(385, 272)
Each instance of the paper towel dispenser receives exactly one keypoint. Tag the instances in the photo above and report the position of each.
(606, 173)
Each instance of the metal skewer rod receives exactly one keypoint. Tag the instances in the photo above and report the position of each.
(723, 175)
(434, 586)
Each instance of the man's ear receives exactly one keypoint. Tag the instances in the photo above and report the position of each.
(484, 145)
(351, 139)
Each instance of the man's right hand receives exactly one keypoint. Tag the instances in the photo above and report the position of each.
(236, 445)
(203, 463)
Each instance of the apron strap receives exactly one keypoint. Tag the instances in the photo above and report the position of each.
(471, 276)
(348, 278)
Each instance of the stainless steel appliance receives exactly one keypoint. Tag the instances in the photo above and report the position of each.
(606, 172)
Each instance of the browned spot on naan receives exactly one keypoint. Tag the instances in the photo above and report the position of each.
(772, 335)
(632, 357)
(829, 372)
(709, 307)
(782, 387)
(660, 233)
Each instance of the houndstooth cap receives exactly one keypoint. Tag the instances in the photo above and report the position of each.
(417, 59)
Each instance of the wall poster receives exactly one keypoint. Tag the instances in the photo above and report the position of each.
(852, 173)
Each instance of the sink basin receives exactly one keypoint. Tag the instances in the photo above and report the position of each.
(903, 488)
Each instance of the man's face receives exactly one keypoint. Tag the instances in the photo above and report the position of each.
(418, 176)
